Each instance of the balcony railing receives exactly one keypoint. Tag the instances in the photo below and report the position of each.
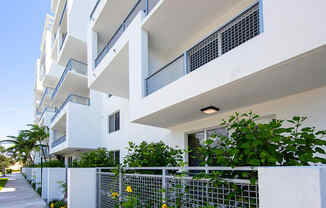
(63, 13)
(74, 66)
(64, 35)
(47, 109)
(244, 27)
(141, 5)
(73, 99)
(165, 186)
(46, 95)
(94, 9)
(58, 141)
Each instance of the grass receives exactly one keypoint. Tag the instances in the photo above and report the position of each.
(3, 182)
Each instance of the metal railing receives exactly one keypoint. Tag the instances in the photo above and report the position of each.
(73, 99)
(58, 141)
(141, 5)
(73, 65)
(94, 9)
(63, 13)
(165, 186)
(47, 109)
(46, 95)
(242, 28)
(64, 36)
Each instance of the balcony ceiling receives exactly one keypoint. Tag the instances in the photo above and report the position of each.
(176, 23)
(296, 75)
(110, 14)
(72, 48)
(112, 74)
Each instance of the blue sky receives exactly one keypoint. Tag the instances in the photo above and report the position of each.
(20, 37)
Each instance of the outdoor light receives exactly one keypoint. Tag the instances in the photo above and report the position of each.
(210, 110)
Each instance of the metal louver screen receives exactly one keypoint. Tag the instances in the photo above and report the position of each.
(240, 30)
(204, 52)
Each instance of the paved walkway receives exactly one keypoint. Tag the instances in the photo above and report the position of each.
(19, 194)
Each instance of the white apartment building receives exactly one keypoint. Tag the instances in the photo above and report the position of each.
(164, 62)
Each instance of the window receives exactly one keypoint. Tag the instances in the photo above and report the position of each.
(116, 156)
(197, 139)
(114, 122)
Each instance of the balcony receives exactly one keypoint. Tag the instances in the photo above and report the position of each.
(235, 66)
(70, 26)
(74, 126)
(71, 99)
(111, 61)
(58, 141)
(72, 81)
(45, 117)
(45, 99)
(238, 31)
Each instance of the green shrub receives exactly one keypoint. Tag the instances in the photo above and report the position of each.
(34, 186)
(39, 191)
(153, 155)
(52, 164)
(58, 203)
(8, 171)
(97, 158)
(277, 143)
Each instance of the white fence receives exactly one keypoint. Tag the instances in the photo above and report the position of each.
(49, 179)
(281, 187)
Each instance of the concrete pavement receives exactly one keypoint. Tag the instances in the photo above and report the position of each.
(19, 194)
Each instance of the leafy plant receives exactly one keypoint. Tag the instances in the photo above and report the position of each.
(52, 164)
(97, 158)
(153, 155)
(39, 191)
(57, 204)
(276, 143)
(64, 188)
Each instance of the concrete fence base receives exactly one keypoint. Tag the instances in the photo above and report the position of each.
(81, 187)
(292, 187)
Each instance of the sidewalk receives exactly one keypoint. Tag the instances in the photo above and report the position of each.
(19, 194)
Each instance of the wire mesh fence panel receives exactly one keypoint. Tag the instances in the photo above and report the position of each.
(108, 184)
(146, 188)
(152, 191)
(187, 192)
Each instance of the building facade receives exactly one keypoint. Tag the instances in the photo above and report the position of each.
(146, 70)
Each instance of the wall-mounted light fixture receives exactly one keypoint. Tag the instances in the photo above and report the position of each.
(210, 110)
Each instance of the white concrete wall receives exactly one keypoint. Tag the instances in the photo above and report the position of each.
(287, 34)
(55, 177)
(292, 187)
(128, 131)
(83, 129)
(81, 188)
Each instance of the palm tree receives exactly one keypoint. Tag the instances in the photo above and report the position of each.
(33, 139)
(21, 148)
(39, 136)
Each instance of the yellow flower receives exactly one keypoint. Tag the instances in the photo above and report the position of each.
(129, 189)
(164, 206)
(52, 205)
(114, 195)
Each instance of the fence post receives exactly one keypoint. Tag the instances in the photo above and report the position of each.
(99, 185)
(164, 185)
(120, 185)
(186, 63)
